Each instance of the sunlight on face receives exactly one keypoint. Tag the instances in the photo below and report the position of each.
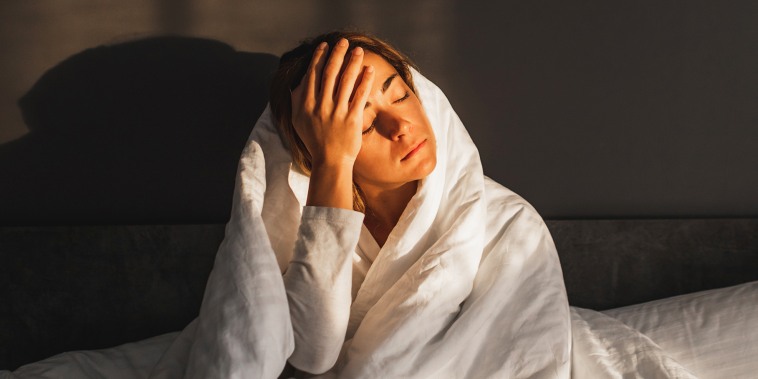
(398, 141)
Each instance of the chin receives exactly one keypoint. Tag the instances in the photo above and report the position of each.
(426, 167)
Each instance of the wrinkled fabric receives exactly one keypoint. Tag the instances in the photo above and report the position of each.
(468, 283)
(713, 333)
(606, 348)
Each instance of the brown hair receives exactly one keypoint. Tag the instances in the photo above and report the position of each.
(292, 68)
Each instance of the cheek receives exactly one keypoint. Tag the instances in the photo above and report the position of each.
(420, 119)
(366, 154)
(367, 163)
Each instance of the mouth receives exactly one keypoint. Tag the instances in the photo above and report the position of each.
(414, 151)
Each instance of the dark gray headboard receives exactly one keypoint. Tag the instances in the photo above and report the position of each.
(88, 287)
(613, 263)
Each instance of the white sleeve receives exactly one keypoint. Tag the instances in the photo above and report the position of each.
(318, 283)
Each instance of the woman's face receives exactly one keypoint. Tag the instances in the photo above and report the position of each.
(398, 141)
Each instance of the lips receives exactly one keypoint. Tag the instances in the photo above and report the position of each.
(414, 150)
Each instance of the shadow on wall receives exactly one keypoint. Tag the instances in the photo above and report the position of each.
(143, 132)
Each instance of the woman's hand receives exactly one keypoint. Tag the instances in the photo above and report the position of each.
(328, 118)
(326, 114)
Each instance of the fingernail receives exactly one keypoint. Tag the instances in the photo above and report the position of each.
(357, 51)
(370, 69)
(343, 42)
(322, 46)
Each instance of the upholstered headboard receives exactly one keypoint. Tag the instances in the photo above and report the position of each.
(89, 287)
(613, 263)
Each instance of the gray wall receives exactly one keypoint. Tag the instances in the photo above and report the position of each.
(587, 109)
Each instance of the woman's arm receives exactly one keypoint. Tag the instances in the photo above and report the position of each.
(318, 284)
(319, 278)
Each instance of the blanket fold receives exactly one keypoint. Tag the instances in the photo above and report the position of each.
(467, 285)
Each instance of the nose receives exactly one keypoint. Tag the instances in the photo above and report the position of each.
(398, 127)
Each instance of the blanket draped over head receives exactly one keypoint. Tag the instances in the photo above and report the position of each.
(468, 284)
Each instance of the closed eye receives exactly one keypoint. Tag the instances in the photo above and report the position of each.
(368, 130)
(400, 100)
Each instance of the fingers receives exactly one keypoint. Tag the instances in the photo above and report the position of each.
(348, 78)
(325, 73)
(362, 92)
(332, 71)
(312, 80)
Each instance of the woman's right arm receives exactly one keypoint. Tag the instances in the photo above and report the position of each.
(319, 278)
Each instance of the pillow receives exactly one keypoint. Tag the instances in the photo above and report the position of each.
(712, 333)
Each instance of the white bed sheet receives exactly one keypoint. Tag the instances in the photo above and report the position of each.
(712, 333)
(127, 361)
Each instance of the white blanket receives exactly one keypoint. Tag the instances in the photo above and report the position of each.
(468, 285)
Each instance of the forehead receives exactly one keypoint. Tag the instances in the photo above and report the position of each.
(382, 67)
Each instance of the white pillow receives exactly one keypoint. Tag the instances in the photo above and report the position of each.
(712, 333)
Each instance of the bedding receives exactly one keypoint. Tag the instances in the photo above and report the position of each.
(710, 334)
(409, 318)
(713, 333)
(505, 313)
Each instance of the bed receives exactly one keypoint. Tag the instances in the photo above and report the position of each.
(83, 268)
(92, 287)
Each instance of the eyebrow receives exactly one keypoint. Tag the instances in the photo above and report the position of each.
(386, 85)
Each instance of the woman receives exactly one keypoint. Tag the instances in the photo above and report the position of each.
(369, 163)
(395, 147)
(400, 259)
(365, 242)
(392, 239)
